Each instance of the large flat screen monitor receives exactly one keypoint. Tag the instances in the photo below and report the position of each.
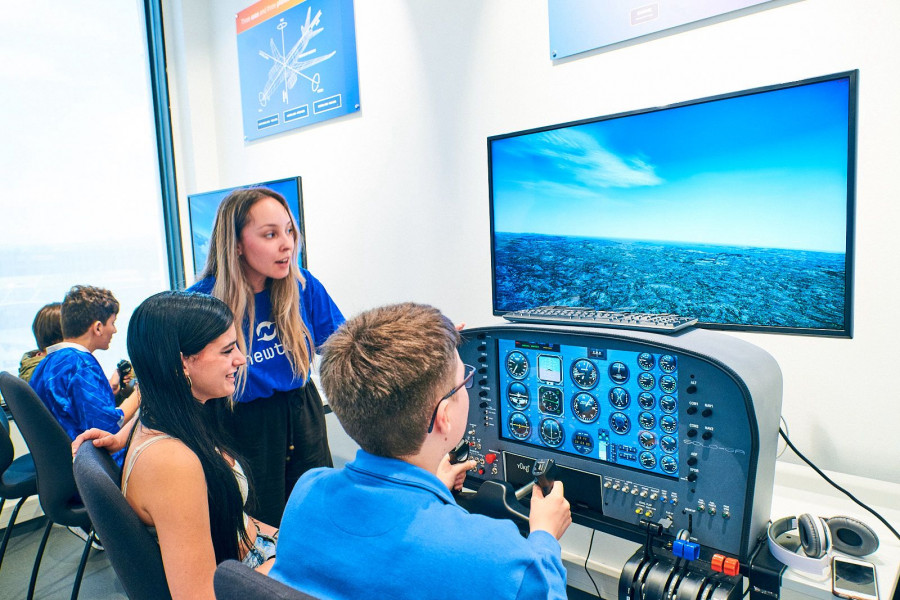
(735, 209)
(202, 209)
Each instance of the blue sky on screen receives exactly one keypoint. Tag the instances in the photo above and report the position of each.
(765, 170)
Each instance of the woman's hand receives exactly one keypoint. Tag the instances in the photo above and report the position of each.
(103, 439)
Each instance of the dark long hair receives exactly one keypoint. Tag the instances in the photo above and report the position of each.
(161, 330)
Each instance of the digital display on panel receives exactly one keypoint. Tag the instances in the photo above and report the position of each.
(202, 209)
(615, 406)
(736, 210)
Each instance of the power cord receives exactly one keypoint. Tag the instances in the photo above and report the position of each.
(787, 431)
(586, 558)
(836, 486)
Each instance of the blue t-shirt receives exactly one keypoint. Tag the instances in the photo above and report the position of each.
(75, 390)
(268, 367)
(393, 530)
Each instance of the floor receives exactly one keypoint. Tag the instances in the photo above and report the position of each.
(58, 568)
(61, 561)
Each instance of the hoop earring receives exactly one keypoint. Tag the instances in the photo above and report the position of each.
(190, 383)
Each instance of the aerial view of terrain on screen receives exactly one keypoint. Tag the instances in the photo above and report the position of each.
(715, 284)
(733, 211)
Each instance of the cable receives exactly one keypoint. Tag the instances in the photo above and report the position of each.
(586, 558)
(787, 432)
(838, 487)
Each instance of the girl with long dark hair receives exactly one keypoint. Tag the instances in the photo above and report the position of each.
(180, 475)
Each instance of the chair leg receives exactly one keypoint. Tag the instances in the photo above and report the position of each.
(37, 560)
(9, 526)
(80, 573)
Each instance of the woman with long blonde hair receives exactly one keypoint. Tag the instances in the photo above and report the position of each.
(284, 314)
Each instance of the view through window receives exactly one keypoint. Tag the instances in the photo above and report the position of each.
(81, 200)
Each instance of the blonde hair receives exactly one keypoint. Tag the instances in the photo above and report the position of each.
(232, 287)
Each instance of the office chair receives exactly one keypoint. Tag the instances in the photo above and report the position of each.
(17, 479)
(51, 450)
(133, 552)
(236, 581)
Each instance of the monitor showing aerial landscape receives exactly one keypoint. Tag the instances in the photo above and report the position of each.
(736, 210)
(202, 208)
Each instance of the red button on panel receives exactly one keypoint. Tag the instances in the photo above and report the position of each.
(731, 566)
(717, 563)
(490, 457)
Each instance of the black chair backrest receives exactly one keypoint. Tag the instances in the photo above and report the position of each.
(7, 452)
(50, 448)
(132, 550)
(236, 581)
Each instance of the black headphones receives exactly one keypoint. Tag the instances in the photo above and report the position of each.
(818, 537)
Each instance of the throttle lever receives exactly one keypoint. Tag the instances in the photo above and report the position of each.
(544, 473)
(460, 453)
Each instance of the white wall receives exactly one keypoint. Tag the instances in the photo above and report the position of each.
(396, 196)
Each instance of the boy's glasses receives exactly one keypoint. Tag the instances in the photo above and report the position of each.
(467, 382)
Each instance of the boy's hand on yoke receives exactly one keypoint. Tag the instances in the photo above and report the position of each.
(550, 513)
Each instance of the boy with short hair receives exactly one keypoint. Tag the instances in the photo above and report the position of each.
(387, 525)
(69, 380)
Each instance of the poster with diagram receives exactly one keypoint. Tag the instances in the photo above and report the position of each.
(581, 25)
(297, 62)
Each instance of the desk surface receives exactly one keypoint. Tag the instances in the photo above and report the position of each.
(798, 489)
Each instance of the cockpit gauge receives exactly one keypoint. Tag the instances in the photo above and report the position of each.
(517, 394)
(668, 444)
(583, 442)
(646, 400)
(619, 397)
(619, 423)
(517, 364)
(550, 400)
(648, 460)
(668, 384)
(585, 407)
(584, 373)
(667, 363)
(668, 464)
(668, 423)
(647, 420)
(646, 361)
(552, 432)
(618, 372)
(668, 404)
(519, 426)
(646, 380)
(647, 439)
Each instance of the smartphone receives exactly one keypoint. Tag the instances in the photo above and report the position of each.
(853, 578)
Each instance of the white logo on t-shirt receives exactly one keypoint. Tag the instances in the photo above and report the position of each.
(270, 331)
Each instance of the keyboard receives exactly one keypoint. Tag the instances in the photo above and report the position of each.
(569, 315)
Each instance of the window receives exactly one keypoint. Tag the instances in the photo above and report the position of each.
(81, 200)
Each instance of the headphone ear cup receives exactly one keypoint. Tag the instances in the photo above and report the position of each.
(852, 536)
(813, 536)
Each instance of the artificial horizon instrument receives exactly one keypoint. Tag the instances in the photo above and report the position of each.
(666, 439)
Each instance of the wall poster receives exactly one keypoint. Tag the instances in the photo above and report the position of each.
(582, 25)
(297, 62)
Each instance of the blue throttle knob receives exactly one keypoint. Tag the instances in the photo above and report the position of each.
(686, 550)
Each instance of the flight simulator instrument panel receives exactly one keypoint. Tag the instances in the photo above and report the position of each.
(679, 430)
